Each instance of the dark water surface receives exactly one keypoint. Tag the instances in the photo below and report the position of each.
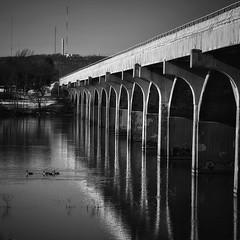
(106, 189)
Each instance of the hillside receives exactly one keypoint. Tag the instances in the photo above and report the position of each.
(64, 64)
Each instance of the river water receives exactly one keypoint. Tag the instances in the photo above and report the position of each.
(106, 188)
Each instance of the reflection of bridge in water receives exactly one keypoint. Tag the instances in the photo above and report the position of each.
(157, 202)
(177, 93)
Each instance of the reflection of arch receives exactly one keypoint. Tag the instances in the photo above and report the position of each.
(180, 122)
(112, 108)
(217, 113)
(123, 110)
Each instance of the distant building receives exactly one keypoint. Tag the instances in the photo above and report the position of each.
(72, 55)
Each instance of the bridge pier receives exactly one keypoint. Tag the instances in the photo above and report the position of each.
(128, 84)
(195, 82)
(200, 60)
(163, 86)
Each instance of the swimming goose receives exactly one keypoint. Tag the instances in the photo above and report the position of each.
(48, 173)
(55, 173)
(28, 173)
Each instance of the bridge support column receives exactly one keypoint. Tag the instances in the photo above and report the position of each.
(87, 107)
(77, 110)
(236, 184)
(77, 103)
(195, 81)
(81, 107)
(114, 82)
(116, 86)
(117, 116)
(107, 90)
(164, 86)
(200, 60)
(195, 139)
(128, 83)
(99, 90)
(91, 104)
(164, 131)
(145, 88)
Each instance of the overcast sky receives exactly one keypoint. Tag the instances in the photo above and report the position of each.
(96, 27)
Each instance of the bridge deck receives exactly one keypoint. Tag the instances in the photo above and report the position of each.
(214, 31)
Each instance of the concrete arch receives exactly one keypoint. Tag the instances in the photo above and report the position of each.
(181, 116)
(112, 97)
(84, 102)
(173, 87)
(232, 73)
(223, 153)
(75, 96)
(85, 98)
(138, 112)
(80, 99)
(124, 103)
(112, 108)
(78, 102)
(76, 106)
(163, 84)
(155, 86)
(140, 98)
(153, 112)
(96, 100)
(114, 87)
(103, 107)
(235, 86)
(90, 90)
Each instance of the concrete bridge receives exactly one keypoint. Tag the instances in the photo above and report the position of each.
(177, 93)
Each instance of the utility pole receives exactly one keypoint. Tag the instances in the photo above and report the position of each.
(11, 34)
(66, 30)
(55, 39)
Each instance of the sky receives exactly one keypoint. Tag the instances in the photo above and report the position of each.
(95, 27)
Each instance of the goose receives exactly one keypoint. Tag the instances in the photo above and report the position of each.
(48, 173)
(28, 173)
(55, 173)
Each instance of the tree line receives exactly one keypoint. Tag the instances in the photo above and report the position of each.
(26, 72)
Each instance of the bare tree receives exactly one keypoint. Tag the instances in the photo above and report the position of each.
(24, 53)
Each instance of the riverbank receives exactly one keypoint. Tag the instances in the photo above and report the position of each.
(53, 107)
